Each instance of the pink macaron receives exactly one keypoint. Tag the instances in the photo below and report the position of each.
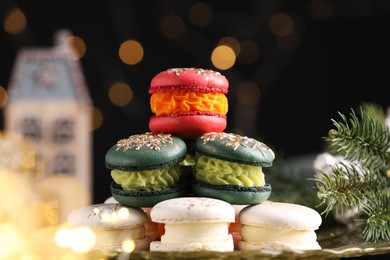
(188, 102)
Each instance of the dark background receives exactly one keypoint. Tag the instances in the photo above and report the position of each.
(341, 60)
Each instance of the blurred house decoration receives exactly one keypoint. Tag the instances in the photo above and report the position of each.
(49, 104)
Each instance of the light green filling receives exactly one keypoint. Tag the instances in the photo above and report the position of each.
(189, 160)
(217, 172)
(147, 180)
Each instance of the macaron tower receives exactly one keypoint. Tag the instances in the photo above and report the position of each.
(188, 102)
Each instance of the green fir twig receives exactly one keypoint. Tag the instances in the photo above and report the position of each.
(364, 141)
(361, 139)
(377, 225)
(349, 186)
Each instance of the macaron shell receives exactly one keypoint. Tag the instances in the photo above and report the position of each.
(147, 198)
(281, 215)
(235, 148)
(188, 126)
(107, 216)
(192, 210)
(152, 153)
(191, 79)
(217, 246)
(233, 194)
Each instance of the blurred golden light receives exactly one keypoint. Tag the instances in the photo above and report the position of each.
(97, 118)
(64, 237)
(249, 52)
(223, 57)
(11, 241)
(131, 52)
(248, 93)
(15, 22)
(3, 96)
(281, 24)
(75, 46)
(96, 211)
(172, 27)
(289, 43)
(123, 213)
(232, 43)
(106, 217)
(128, 245)
(83, 239)
(320, 9)
(120, 94)
(200, 14)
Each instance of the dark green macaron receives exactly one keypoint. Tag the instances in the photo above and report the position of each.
(235, 148)
(229, 167)
(146, 169)
(146, 151)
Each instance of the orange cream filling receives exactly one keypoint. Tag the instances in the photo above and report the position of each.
(173, 102)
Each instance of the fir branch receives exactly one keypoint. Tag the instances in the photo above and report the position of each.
(377, 225)
(363, 139)
(365, 183)
(349, 186)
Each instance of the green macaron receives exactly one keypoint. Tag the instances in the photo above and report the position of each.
(146, 169)
(230, 167)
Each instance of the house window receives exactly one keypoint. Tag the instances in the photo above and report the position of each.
(63, 130)
(64, 163)
(32, 128)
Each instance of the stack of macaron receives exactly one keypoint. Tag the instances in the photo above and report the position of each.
(199, 186)
(190, 107)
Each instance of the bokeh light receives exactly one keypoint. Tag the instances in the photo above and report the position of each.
(128, 245)
(248, 93)
(223, 57)
(172, 27)
(200, 14)
(281, 24)
(75, 46)
(120, 94)
(63, 237)
(3, 96)
(80, 239)
(15, 21)
(250, 52)
(11, 240)
(83, 239)
(232, 43)
(131, 52)
(97, 118)
(123, 213)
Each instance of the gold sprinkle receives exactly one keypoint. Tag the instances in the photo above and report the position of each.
(153, 141)
(235, 141)
(203, 72)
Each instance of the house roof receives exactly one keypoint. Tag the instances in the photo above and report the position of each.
(47, 74)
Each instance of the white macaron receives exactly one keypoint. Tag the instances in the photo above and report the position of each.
(194, 224)
(112, 224)
(279, 226)
(151, 228)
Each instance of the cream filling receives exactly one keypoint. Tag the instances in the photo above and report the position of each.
(261, 234)
(195, 232)
(115, 237)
